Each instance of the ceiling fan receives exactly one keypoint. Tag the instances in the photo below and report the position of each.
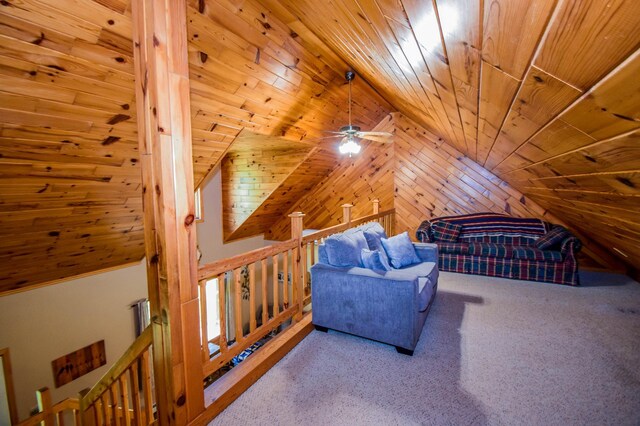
(349, 144)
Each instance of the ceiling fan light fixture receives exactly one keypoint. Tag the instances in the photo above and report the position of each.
(350, 147)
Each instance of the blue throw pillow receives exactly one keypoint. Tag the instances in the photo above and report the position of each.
(344, 250)
(374, 232)
(400, 250)
(375, 260)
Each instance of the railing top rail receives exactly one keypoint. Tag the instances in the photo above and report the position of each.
(344, 226)
(213, 269)
(137, 347)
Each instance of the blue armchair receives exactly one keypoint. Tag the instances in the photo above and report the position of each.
(389, 306)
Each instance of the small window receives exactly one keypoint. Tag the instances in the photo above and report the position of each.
(198, 206)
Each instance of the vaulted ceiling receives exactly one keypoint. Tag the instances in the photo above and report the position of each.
(545, 94)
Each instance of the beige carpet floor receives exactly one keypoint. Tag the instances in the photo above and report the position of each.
(493, 351)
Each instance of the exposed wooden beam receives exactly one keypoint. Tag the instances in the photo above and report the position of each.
(164, 129)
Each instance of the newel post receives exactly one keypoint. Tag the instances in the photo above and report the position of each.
(299, 264)
(43, 396)
(376, 206)
(346, 213)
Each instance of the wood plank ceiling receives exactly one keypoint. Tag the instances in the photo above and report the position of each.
(542, 93)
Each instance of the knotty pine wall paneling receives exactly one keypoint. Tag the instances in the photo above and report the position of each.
(356, 180)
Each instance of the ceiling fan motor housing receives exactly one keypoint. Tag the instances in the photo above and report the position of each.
(350, 129)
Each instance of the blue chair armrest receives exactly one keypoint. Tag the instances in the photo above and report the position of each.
(427, 252)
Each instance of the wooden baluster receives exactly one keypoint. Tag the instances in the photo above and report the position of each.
(295, 275)
(303, 277)
(106, 409)
(204, 335)
(392, 223)
(252, 297)
(135, 394)
(222, 308)
(113, 394)
(98, 412)
(265, 300)
(237, 304)
(346, 213)
(60, 418)
(124, 398)
(43, 396)
(285, 280)
(276, 297)
(146, 387)
(376, 206)
(77, 418)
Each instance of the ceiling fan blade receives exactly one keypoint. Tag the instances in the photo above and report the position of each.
(384, 137)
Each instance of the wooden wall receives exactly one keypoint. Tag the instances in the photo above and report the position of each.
(248, 179)
(543, 93)
(421, 176)
(357, 180)
(434, 179)
(70, 194)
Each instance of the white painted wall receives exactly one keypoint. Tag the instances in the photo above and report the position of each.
(210, 235)
(43, 324)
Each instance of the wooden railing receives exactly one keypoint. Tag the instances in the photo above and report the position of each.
(53, 414)
(275, 278)
(125, 394)
(266, 276)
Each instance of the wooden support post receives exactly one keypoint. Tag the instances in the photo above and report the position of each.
(297, 225)
(164, 139)
(346, 213)
(376, 206)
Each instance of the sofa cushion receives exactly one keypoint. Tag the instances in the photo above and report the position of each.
(400, 250)
(344, 250)
(375, 260)
(446, 231)
(532, 253)
(552, 239)
(453, 248)
(491, 250)
(423, 269)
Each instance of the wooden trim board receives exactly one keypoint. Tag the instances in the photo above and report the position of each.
(230, 386)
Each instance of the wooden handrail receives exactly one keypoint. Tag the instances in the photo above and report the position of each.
(218, 267)
(344, 226)
(118, 369)
(49, 412)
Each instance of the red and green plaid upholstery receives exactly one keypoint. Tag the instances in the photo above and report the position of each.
(502, 246)
(565, 272)
(454, 248)
(446, 231)
(553, 238)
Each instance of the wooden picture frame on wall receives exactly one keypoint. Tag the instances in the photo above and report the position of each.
(8, 384)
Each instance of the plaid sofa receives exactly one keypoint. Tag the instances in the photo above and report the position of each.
(502, 246)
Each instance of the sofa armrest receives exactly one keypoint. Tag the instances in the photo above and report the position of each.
(427, 252)
(570, 245)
